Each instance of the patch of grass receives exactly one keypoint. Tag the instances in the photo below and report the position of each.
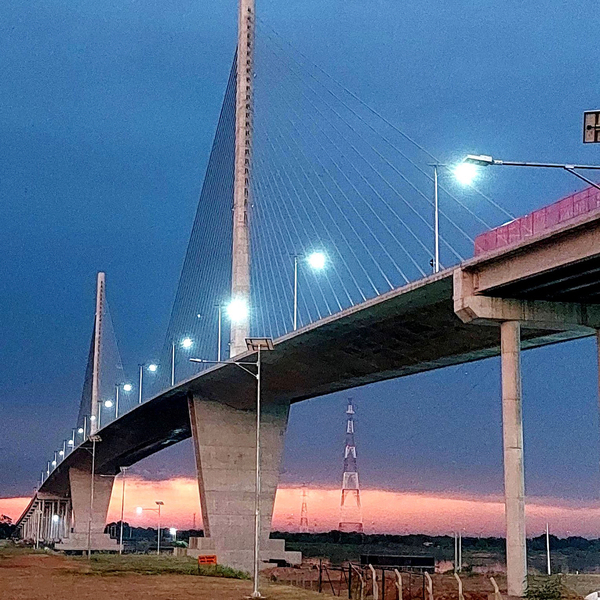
(11, 550)
(110, 564)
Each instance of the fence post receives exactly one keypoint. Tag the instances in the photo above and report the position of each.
(398, 583)
(429, 586)
(497, 594)
(320, 575)
(460, 587)
(350, 581)
(375, 587)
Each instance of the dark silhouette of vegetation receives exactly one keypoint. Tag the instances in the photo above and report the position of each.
(6, 527)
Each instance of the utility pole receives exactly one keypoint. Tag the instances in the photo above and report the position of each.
(240, 267)
(548, 565)
(100, 297)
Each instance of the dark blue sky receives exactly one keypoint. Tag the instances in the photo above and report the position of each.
(107, 112)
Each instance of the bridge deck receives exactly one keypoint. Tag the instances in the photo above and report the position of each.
(408, 330)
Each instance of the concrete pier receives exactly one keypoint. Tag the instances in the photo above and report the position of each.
(76, 540)
(225, 448)
(514, 483)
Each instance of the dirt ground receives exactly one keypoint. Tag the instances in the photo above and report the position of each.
(53, 577)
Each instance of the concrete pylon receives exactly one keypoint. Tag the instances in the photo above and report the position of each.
(225, 447)
(77, 539)
(514, 482)
(240, 267)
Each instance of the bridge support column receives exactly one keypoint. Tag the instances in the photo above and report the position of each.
(514, 483)
(85, 531)
(225, 447)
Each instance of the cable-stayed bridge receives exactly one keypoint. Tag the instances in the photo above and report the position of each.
(300, 165)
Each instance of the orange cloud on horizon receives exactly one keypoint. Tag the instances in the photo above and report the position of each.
(383, 511)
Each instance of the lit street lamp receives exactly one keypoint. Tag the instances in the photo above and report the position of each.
(173, 533)
(186, 344)
(257, 345)
(465, 174)
(316, 261)
(127, 387)
(107, 404)
(140, 510)
(152, 367)
(483, 160)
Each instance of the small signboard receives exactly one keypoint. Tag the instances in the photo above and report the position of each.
(207, 559)
(591, 127)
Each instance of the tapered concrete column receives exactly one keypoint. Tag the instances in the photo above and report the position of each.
(80, 484)
(514, 482)
(225, 446)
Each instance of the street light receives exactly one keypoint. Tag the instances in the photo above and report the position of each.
(237, 310)
(257, 345)
(140, 510)
(483, 160)
(107, 404)
(316, 260)
(152, 367)
(123, 471)
(173, 533)
(127, 387)
(186, 343)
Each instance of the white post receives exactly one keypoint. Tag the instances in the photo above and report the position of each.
(158, 544)
(219, 343)
(172, 364)
(123, 470)
(100, 291)
(460, 587)
(295, 292)
(548, 565)
(455, 552)
(257, 524)
(398, 583)
(240, 269)
(141, 383)
(84, 429)
(429, 585)
(436, 221)
(117, 400)
(375, 586)
(514, 483)
(459, 551)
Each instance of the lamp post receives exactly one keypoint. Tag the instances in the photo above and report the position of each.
(94, 439)
(220, 316)
(127, 387)
(483, 160)
(185, 343)
(108, 404)
(139, 511)
(464, 173)
(152, 367)
(257, 345)
(316, 261)
(123, 471)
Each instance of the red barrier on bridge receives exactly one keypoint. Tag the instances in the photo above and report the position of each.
(540, 221)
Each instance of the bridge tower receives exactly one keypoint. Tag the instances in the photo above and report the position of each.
(98, 323)
(350, 509)
(240, 267)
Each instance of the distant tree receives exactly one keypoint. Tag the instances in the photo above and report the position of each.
(6, 527)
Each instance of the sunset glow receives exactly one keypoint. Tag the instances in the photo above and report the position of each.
(383, 511)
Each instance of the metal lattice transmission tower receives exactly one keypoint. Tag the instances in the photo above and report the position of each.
(350, 509)
(304, 528)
